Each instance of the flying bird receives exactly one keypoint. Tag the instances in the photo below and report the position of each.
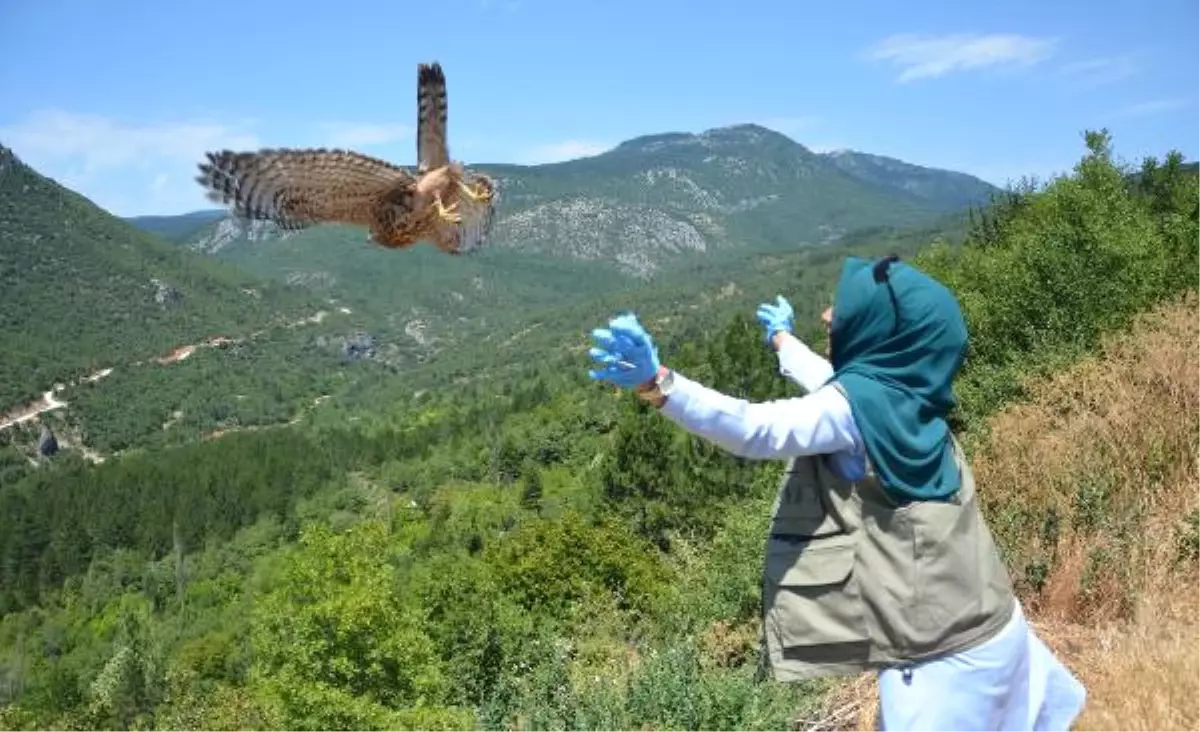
(297, 188)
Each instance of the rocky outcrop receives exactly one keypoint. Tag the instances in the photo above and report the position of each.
(232, 230)
(166, 295)
(356, 347)
(656, 200)
(47, 443)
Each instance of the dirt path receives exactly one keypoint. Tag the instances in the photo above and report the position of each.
(49, 401)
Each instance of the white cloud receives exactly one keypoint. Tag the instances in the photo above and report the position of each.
(357, 134)
(127, 168)
(556, 152)
(91, 143)
(1095, 72)
(922, 56)
(1158, 106)
(132, 168)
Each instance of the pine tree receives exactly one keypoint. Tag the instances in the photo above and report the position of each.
(531, 489)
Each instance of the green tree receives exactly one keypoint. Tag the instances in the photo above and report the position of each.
(531, 489)
(335, 644)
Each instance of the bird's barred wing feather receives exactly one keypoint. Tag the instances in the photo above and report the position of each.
(299, 188)
(432, 149)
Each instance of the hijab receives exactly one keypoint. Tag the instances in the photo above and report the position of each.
(898, 339)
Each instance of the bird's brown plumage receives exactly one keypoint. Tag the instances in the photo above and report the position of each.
(476, 208)
(300, 188)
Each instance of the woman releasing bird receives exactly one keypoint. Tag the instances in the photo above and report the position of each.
(299, 188)
(877, 556)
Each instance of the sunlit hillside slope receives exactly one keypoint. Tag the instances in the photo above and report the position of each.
(547, 552)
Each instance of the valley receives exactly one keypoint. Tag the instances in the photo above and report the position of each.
(260, 477)
(417, 313)
(282, 454)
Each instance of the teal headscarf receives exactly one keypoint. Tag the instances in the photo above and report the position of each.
(898, 339)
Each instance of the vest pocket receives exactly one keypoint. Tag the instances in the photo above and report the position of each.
(949, 582)
(801, 509)
(811, 593)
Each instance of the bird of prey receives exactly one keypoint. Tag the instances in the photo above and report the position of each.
(297, 188)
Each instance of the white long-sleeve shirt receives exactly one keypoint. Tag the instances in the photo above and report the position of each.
(1010, 682)
(818, 423)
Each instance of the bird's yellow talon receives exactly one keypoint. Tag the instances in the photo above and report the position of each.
(475, 194)
(447, 213)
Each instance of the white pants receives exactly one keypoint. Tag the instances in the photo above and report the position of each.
(1011, 682)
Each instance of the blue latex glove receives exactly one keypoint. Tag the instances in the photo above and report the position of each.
(625, 352)
(777, 317)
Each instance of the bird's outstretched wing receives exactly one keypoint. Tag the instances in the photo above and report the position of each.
(432, 111)
(299, 188)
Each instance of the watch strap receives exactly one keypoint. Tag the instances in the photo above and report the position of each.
(659, 388)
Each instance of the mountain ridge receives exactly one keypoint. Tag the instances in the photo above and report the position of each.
(681, 209)
(653, 199)
(81, 289)
(663, 149)
(178, 227)
(919, 180)
(657, 207)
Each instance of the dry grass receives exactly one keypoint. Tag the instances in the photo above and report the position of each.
(1091, 489)
(1089, 485)
(852, 705)
(724, 644)
(1141, 674)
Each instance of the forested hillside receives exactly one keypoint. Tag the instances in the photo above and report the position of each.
(532, 550)
(658, 208)
(178, 228)
(335, 320)
(656, 200)
(81, 290)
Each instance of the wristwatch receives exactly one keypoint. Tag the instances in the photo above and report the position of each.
(656, 390)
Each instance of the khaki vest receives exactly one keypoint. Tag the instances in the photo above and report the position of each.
(853, 580)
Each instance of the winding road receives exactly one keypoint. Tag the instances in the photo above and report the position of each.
(49, 401)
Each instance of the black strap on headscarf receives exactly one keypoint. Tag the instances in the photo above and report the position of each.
(880, 274)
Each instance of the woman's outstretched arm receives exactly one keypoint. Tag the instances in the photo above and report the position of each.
(815, 424)
(800, 364)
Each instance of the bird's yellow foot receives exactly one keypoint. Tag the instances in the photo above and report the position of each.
(479, 193)
(447, 214)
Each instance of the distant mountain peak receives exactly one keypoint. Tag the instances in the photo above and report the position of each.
(962, 189)
(745, 133)
(650, 202)
(8, 158)
(661, 139)
(751, 130)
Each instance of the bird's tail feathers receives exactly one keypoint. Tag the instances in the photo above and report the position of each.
(432, 116)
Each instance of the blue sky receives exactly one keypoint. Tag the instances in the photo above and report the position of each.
(120, 99)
